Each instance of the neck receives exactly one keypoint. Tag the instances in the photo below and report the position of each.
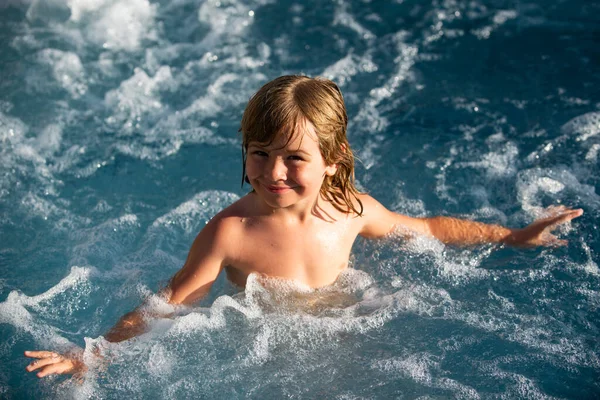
(299, 212)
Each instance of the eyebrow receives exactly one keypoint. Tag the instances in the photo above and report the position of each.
(262, 146)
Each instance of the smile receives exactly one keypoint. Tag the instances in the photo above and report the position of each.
(277, 189)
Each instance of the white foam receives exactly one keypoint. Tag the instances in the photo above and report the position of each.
(42, 207)
(115, 24)
(161, 361)
(415, 366)
(590, 266)
(405, 205)
(455, 266)
(422, 368)
(136, 99)
(369, 120)
(499, 19)
(504, 15)
(193, 124)
(215, 98)
(49, 140)
(108, 239)
(230, 18)
(533, 184)
(47, 11)
(592, 154)
(538, 332)
(195, 212)
(14, 310)
(497, 164)
(344, 18)
(24, 154)
(584, 126)
(12, 130)
(343, 70)
(67, 70)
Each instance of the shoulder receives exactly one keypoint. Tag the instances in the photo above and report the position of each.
(371, 207)
(376, 220)
(229, 220)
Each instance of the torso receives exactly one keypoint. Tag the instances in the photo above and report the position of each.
(313, 251)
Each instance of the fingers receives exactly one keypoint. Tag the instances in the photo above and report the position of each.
(560, 242)
(565, 215)
(41, 354)
(556, 242)
(555, 211)
(48, 362)
(42, 362)
(58, 368)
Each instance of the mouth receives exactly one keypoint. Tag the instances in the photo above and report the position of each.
(277, 189)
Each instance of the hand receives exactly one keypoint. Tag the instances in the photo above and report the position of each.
(539, 233)
(54, 363)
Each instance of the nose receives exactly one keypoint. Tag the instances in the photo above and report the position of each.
(276, 170)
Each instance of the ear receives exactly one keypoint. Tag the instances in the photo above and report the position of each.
(330, 170)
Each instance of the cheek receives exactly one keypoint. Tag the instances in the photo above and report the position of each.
(252, 168)
(308, 176)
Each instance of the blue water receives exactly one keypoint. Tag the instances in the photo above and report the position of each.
(118, 138)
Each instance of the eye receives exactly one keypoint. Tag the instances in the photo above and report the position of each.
(295, 158)
(260, 153)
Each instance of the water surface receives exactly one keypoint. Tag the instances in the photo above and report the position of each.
(118, 132)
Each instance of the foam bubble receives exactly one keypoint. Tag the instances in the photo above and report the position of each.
(14, 310)
(369, 120)
(343, 70)
(537, 332)
(196, 212)
(49, 140)
(193, 124)
(67, 70)
(592, 154)
(504, 15)
(47, 11)
(499, 19)
(12, 130)
(452, 265)
(498, 164)
(231, 18)
(585, 126)
(415, 366)
(115, 24)
(136, 99)
(106, 241)
(424, 369)
(344, 18)
(25, 155)
(533, 184)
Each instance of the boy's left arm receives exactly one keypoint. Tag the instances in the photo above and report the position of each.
(379, 221)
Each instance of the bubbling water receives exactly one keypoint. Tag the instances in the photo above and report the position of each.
(118, 143)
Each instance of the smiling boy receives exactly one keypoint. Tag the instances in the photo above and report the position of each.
(304, 212)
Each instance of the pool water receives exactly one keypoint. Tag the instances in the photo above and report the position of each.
(118, 142)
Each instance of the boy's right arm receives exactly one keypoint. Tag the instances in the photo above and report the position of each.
(192, 282)
(205, 261)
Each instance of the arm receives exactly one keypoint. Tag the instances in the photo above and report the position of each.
(379, 222)
(192, 282)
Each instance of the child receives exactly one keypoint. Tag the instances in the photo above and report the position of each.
(301, 218)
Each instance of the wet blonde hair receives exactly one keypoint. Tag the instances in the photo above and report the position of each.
(282, 106)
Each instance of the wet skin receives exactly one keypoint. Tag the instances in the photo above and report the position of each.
(285, 229)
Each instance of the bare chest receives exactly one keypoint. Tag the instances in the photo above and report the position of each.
(313, 254)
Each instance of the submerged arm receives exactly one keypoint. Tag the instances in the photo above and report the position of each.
(191, 283)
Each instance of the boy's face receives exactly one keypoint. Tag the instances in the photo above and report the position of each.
(288, 172)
